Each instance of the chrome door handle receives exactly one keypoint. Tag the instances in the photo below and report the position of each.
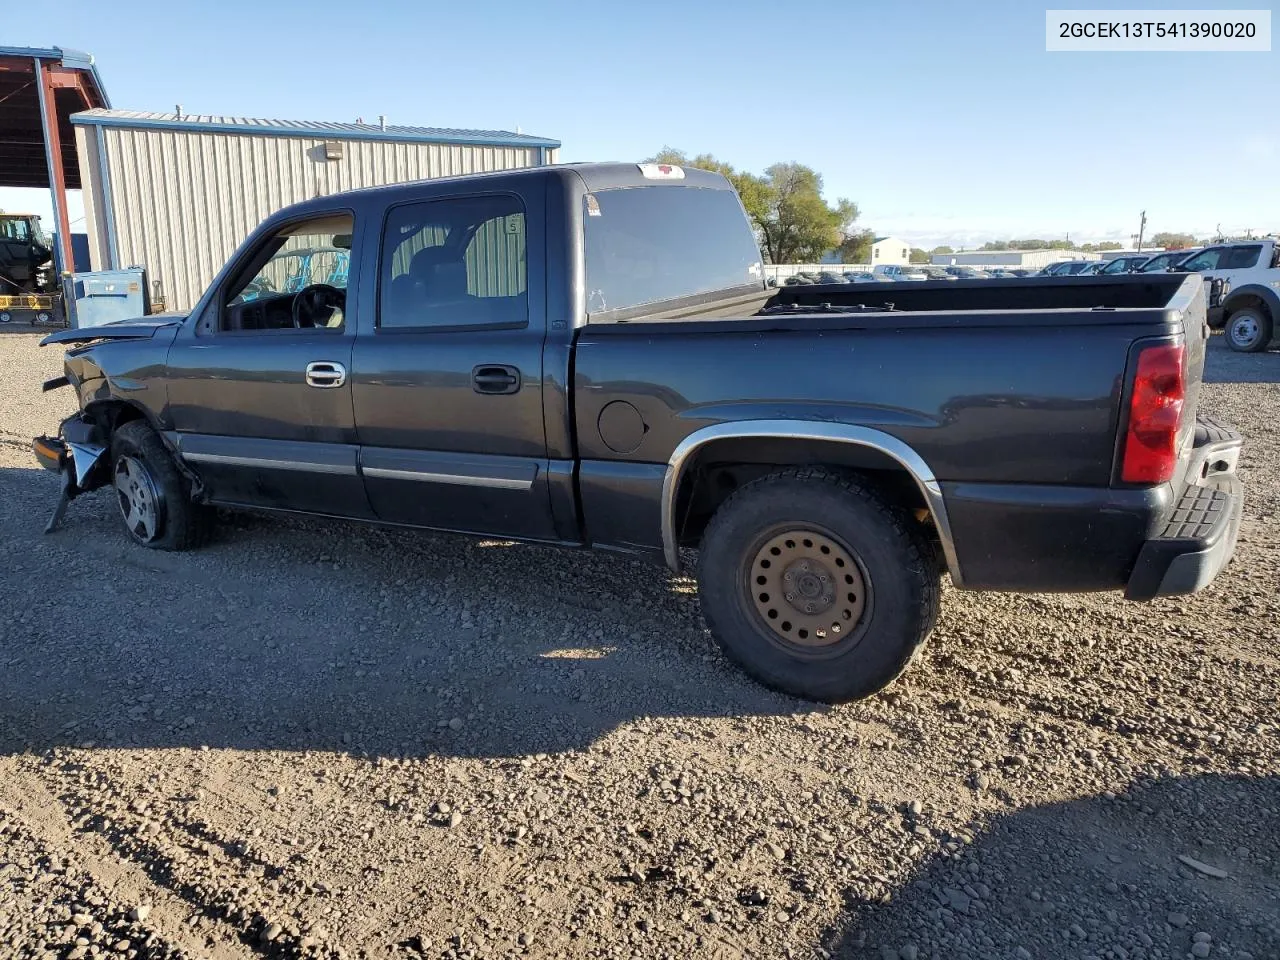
(326, 373)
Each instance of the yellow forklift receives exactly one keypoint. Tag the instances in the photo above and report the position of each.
(29, 288)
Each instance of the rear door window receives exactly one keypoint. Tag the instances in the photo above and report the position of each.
(455, 263)
(1242, 258)
(649, 245)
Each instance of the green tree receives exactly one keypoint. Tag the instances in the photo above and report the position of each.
(944, 249)
(1109, 245)
(919, 256)
(800, 226)
(793, 222)
(856, 247)
(1173, 241)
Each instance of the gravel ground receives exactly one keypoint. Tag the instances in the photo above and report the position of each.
(320, 739)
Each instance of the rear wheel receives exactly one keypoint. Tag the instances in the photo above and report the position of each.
(1248, 330)
(817, 585)
(152, 496)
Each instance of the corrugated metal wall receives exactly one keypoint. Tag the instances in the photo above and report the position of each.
(182, 202)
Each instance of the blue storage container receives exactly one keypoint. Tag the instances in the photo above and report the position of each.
(108, 295)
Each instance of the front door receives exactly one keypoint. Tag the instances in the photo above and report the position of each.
(448, 382)
(260, 386)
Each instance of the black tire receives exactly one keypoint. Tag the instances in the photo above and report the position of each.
(1248, 330)
(900, 583)
(177, 522)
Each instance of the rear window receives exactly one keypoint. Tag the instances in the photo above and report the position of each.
(646, 245)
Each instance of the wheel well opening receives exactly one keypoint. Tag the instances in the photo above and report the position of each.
(111, 415)
(720, 467)
(1247, 300)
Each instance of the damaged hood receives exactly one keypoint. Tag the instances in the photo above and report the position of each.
(142, 328)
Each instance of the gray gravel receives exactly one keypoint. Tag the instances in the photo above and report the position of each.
(321, 739)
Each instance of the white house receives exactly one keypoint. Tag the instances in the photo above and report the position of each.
(889, 250)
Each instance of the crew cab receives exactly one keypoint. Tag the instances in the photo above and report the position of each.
(589, 356)
(1249, 313)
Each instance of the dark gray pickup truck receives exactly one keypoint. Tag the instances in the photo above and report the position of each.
(589, 356)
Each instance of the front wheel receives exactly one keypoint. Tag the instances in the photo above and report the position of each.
(816, 585)
(152, 496)
(1248, 330)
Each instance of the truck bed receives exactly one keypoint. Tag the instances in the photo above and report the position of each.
(1077, 301)
(1015, 405)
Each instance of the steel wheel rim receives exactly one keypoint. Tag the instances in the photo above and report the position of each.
(1244, 331)
(137, 498)
(808, 590)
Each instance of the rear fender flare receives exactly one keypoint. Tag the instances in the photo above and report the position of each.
(891, 446)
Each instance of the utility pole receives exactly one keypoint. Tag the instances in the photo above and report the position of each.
(1142, 229)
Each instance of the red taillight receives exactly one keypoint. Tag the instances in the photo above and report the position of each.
(1155, 412)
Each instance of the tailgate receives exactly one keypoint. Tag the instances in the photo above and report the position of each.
(1195, 331)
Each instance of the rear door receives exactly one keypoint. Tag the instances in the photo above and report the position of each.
(447, 381)
(259, 392)
(1240, 264)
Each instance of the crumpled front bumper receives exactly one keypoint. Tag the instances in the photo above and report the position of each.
(79, 454)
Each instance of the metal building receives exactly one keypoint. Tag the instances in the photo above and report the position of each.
(177, 194)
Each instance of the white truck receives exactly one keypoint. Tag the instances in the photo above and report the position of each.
(1249, 313)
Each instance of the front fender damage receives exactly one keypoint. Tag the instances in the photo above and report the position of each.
(78, 455)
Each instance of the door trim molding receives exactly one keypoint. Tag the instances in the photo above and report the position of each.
(460, 479)
(266, 463)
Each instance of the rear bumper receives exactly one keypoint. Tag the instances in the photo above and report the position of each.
(1149, 542)
(1195, 545)
(1199, 535)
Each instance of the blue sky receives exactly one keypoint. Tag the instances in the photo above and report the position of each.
(945, 121)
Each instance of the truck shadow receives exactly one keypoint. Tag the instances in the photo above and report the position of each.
(300, 634)
(1097, 876)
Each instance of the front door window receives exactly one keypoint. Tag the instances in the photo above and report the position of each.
(296, 281)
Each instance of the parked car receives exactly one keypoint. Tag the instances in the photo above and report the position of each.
(1065, 268)
(1167, 260)
(1249, 314)
(551, 354)
(1129, 263)
(1092, 269)
(831, 278)
(895, 271)
(999, 273)
(1019, 272)
(797, 280)
(859, 276)
(966, 273)
(937, 273)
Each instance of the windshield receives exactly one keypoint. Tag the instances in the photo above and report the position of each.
(653, 244)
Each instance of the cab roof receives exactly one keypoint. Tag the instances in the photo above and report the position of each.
(593, 176)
